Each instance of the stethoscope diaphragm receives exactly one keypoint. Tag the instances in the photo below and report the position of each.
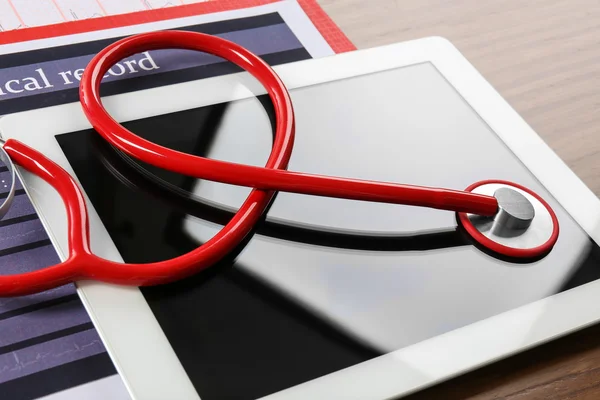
(525, 226)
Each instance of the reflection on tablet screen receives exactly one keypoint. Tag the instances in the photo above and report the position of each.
(290, 306)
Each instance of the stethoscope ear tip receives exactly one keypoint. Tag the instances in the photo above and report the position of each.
(524, 226)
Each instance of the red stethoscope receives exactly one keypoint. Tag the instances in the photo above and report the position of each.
(500, 216)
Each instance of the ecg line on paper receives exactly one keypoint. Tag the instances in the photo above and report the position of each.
(16, 14)
(101, 7)
(58, 9)
(167, 3)
(18, 364)
(14, 9)
(76, 17)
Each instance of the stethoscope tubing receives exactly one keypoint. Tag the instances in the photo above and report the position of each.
(140, 179)
(82, 264)
(267, 178)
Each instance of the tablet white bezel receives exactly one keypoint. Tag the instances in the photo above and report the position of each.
(134, 339)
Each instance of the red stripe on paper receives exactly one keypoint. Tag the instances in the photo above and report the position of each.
(120, 20)
(326, 27)
(324, 24)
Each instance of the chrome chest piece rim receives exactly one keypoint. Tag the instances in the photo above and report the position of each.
(524, 226)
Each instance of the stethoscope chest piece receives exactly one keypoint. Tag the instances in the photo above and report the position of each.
(524, 225)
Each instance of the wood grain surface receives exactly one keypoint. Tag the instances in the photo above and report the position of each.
(544, 58)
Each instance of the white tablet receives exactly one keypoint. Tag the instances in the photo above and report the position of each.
(299, 315)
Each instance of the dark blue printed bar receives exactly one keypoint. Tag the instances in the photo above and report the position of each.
(35, 383)
(8, 305)
(92, 47)
(49, 354)
(55, 71)
(57, 75)
(22, 233)
(34, 324)
(20, 207)
(30, 260)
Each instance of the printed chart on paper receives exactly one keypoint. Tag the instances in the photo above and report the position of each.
(16, 14)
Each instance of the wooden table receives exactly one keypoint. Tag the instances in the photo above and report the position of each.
(544, 58)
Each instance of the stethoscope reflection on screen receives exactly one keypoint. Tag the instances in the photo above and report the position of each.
(501, 218)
